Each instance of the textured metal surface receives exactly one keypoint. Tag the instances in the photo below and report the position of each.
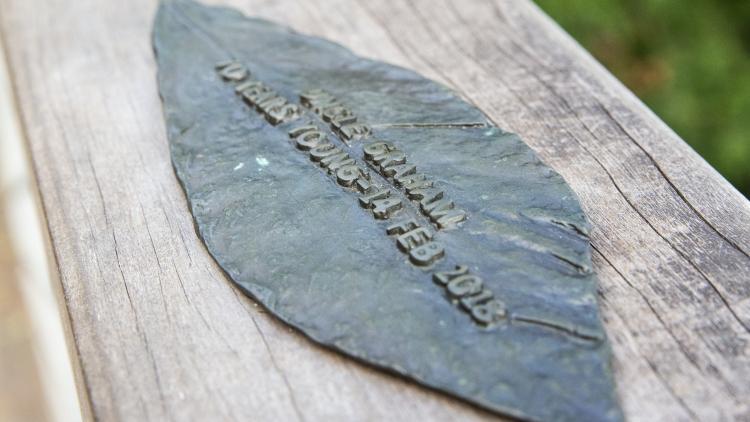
(383, 216)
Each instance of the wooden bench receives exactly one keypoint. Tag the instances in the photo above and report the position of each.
(162, 334)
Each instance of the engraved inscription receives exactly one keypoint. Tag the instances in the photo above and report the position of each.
(275, 108)
(383, 157)
(415, 240)
(392, 164)
(469, 291)
(341, 119)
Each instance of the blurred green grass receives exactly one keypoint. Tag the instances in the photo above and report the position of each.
(688, 60)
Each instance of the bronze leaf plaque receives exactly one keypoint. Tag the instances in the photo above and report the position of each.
(383, 216)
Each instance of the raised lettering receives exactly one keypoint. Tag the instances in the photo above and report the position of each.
(262, 97)
(339, 121)
(319, 106)
(417, 241)
(465, 285)
(273, 102)
(366, 201)
(233, 72)
(444, 277)
(354, 131)
(489, 313)
(365, 186)
(348, 174)
(402, 226)
(376, 149)
(399, 170)
(311, 139)
(469, 302)
(442, 212)
(413, 181)
(317, 100)
(336, 111)
(413, 238)
(310, 97)
(302, 129)
(336, 161)
(323, 150)
(425, 195)
(390, 158)
(450, 219)
(256, 93)
(427, 254)
(285, 113)
(384, 208)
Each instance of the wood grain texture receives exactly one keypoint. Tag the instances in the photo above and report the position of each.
(162, 334)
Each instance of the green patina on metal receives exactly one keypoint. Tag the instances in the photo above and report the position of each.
(383, 216)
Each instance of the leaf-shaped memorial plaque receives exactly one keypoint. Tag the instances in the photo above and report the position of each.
(383, 216)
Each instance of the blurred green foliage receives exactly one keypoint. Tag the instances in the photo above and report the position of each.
(688, 60)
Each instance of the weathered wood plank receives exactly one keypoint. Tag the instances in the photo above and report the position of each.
(162, 334)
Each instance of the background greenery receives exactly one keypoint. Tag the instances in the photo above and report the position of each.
(689, 60)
